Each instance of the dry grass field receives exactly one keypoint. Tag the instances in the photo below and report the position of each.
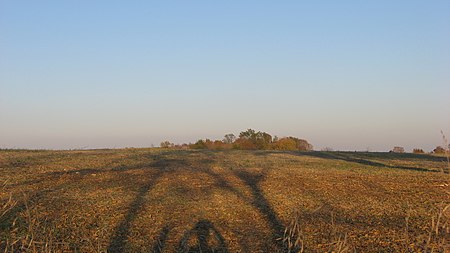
(156, 200)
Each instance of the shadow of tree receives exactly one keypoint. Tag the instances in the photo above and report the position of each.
(162, 165)
(397, 156)
(260, 202)
(385, 156)
(118, 241)
(222, 183)
(356, 158)
(361, 158)
(364, 158)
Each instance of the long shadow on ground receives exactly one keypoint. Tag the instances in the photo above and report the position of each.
(363, 158)
(356, 158)
(261, 203)
(162, 165)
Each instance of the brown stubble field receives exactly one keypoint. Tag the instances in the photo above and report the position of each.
(157, 200)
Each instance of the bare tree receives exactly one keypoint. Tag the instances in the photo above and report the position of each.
(167, 144)
(229, 138)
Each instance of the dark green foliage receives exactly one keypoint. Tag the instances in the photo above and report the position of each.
(292, 143)
(247, 134)
(253, 140)
(200, 144)
(229, 138)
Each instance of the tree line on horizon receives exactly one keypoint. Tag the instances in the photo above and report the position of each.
(252, 140)
(247, 140)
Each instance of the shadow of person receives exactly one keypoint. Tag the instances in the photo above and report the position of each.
(204, 238)
(158, 247)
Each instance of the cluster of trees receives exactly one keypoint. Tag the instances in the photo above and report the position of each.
(252, 140)
(168, 144)
(437, 150)
(440, 150)
(418, 151)
(398, 150)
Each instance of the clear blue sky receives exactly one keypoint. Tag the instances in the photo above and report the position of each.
(344, 74)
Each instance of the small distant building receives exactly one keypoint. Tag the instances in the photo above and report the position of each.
(397, 150)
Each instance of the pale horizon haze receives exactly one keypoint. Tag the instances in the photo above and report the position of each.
(350, 75)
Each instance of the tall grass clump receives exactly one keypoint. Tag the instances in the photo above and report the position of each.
(294, 236)
(25, 230)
